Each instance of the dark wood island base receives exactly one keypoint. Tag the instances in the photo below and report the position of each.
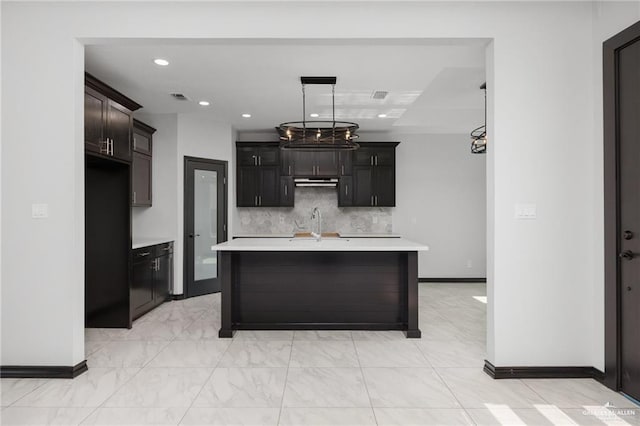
(319, 290)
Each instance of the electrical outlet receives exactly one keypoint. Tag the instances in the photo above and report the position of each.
(525, 211)
(39, 211)
(375, 218)
(281, 220)
(469, 263)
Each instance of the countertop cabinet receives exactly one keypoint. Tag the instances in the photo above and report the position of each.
(142, 164)
(373, 175)
(108, 120)
(152, 277)
(258, 175)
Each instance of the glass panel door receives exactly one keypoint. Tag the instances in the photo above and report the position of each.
(205, 224)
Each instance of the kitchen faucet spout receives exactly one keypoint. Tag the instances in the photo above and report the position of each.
(316, 215)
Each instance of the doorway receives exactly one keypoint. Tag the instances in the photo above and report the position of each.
(205, 223)
(622, 211)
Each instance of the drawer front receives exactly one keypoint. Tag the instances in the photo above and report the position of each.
(143, 254)
(164, 249)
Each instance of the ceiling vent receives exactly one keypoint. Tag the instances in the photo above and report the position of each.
(179, 96)
(379, 94)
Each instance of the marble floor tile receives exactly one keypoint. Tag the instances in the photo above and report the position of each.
(257, 353)
(202, 329)
(390, 354)
(378, 335)
(90, 346)
(243, 387)
(264, 335)
(443, 331)
(407, 388)
(316, 335)
(135, 353)
(89, 389)
(97, 334)
(500, 414)
(326, 354)
(152, 330)
(422, 416)
(452, 353)
(161, 387)
(327, 416)
(191, 353)
(113, 416)
(577, 393)
(231, 416)
(171, 315)
(44, 415)
(325, 387)
(12, 390)
(474, 389)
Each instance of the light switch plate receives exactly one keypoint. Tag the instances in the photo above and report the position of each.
(39, 211)
(525, 211)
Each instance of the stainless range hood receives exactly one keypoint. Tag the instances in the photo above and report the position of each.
(316, 182)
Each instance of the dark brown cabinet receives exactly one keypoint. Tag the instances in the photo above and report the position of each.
(142, 176)
(373, 175)
(310, 163)
(152, 277)
(345, 191)
(108, 120)
(258, 174)
(286, 191)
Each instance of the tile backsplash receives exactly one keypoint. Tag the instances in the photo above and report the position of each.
(287, 220)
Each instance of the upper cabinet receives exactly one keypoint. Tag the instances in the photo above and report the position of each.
(373, 176)
(310, 163)
(108, 120)
(142, 164)
(258, 181)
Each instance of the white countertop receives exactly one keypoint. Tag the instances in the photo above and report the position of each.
(326, 244)
(146, 242)
(348, 235)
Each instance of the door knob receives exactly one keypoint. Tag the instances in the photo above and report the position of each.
(627, 235)
(193, 235)
(627, 254)
(628, 288)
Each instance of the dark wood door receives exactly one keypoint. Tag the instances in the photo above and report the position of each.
(345, 194)
(95, 107)
(286, 191)
(247, 156)
(384, 157)
(363, 156)
(141, 175)
(269, 156)
(629, 196)
(362, 186)
(163, 278)
(286, 162)
(205, 223)
(326, 163)
(247, 187)
(345, 160)
(142, 282)
(384, 186)
(269, 183)
(119, 129)
(304, 164)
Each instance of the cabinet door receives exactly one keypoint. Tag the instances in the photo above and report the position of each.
(119, 130)
(345, 194)
(286, 191)
(363, 156)
(384, 186)
(247, 187)
(141, 179)
(326, 163)
(95, 107)
(286, 162)
(362, 186)
(247, 156)
(269, 156)
(345, 160)
(163, 278)
(304, 164)
(142, 282)
(385, 157)
(141, 142)
(269, 194)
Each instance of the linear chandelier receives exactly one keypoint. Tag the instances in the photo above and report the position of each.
(479, 135)
(318, 135)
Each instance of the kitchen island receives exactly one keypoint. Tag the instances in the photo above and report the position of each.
(331, 284)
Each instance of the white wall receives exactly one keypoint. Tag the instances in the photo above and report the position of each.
(543, 141)
(441, 202)
(199, 135)
(161, 219)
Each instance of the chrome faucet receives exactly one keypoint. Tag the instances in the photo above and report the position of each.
(316, 215)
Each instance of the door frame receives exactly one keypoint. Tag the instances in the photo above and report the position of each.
(188, 194)
(612, 297)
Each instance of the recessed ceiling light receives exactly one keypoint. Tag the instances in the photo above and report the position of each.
(161, 62)
(382, 115)
(246, 115)
(204, 103)
(314, 115)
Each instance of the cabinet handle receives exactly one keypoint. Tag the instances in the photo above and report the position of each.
(166, 248)
(285, 190)
(289, 169)
(376, 160)
(342, 169)
(255, 200)
(376, 198)
(259, 200)
(372, 200)
(146, 253)
(134, 197)
(259, 160)
(346, 190)
(110, 146)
